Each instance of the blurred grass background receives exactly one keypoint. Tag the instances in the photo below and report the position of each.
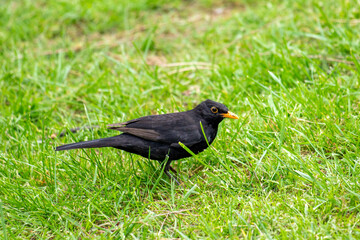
(288, 168)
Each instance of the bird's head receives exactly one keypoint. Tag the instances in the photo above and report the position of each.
(214, 111)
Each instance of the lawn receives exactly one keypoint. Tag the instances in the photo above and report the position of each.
(289, 168)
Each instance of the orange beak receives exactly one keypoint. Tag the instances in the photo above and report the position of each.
(229, 115)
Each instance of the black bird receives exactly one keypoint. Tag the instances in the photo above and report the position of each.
(157, 136)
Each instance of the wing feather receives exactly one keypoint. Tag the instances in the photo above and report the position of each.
(167, 128)
(147, 134)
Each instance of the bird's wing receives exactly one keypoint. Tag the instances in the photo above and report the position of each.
(147, 134)
(167, 128)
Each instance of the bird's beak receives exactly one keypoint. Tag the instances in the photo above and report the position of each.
(229, 115)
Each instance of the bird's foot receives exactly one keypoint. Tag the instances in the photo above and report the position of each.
(172, 169)
(172, 177)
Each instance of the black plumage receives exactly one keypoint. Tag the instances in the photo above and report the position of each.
(157, 136)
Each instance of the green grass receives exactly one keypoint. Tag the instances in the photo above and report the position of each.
(288, 168)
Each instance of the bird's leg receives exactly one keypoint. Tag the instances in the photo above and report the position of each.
(172, 169)
(172, 177)
(166, 170)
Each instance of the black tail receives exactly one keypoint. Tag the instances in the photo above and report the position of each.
(98, 143)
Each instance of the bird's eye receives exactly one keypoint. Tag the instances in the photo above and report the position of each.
(214, 109)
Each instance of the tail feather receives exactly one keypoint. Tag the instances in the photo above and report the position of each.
(98, 143)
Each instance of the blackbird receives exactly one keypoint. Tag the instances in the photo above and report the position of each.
(158, 136)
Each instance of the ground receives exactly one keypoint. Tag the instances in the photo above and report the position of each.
(288, 168)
